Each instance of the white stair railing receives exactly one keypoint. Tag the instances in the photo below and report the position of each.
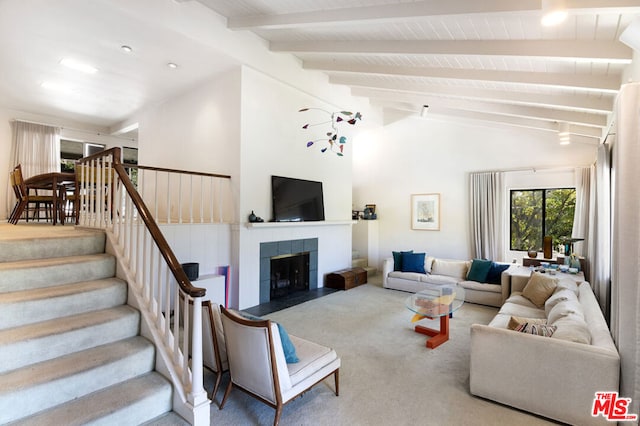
(180, 196)
(108, 200)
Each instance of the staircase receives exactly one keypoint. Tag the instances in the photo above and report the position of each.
(70, 347)
(358, 261)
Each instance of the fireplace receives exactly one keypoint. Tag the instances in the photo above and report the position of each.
(276, 281)
(289, 274)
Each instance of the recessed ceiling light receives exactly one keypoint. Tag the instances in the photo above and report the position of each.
(126, 48)
(49, 85)
(553, 12)
(78, 66)
(172, 65)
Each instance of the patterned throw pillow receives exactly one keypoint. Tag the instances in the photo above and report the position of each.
(537, 329)
(515, 322)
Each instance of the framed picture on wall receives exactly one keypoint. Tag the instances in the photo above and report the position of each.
(425, 212)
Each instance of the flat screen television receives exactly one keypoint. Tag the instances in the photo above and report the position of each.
(296, 200)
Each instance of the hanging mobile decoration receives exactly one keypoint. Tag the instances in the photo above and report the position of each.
(335, 142)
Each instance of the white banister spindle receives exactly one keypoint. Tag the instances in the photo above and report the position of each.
(197, 394)
(168, 198)
(180, 199)
(191, 198)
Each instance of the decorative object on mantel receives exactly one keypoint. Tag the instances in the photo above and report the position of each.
(191, 270)
(333, 138)
(533, 253)
(255, 219)
(370, 212)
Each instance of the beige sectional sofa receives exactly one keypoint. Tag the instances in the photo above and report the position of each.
(446, 271)
(556, 376)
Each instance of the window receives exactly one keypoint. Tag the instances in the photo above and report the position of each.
(536, 213)
(71, 151)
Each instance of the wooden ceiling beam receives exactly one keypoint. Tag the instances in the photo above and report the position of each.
(587, 51)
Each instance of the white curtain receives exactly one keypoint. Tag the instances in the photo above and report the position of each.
(585, 209)
(625, 259)
(600, 237)
(487, 217)
(36, 147)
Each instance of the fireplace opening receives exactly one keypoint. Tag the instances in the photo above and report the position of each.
(289, 274)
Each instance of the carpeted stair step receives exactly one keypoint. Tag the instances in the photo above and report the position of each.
(371, 271)
(29, 274)
(41, 386)
(31, 306)
(133, 402)
(360, 262)
(51, 339)
(74, 243)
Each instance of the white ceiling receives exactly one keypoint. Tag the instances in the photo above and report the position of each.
(487, 60)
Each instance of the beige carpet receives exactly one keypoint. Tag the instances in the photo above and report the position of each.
(388, 376)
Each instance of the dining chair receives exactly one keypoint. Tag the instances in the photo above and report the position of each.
(257, 363)
(26, 202)
(87, 190)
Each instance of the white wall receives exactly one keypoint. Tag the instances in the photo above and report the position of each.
(433, 155)
(274, 143)
(70, 130)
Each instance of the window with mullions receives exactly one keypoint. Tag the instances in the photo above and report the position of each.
(536, 213)
(72, 151)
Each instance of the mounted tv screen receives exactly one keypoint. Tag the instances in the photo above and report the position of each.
(296, 200)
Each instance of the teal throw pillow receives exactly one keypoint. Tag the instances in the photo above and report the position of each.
(479, 270)
(495, 273)
(413, 262)
(287, 345)
(397, 259)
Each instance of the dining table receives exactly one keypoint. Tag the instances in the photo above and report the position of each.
(53, 181)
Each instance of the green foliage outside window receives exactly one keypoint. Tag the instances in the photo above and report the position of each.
(540, 212)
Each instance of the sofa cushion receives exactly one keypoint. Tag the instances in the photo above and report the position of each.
(517, 310)
(515, 322)
(413, 262)
(438, 279)
(569, 308)
(539, 288)
(518, 299)
(567, 283)
(479, 270)
(495, 272)
(414, 276)
(473, 285)
(397, 259)
(451, 268)
(312, 358)
(572, 329)
(562, 295)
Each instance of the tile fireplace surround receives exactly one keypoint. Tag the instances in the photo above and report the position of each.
(286, 247)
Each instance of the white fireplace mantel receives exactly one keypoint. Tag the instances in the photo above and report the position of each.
(259, 225)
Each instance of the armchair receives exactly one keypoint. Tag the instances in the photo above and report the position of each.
(257, 362)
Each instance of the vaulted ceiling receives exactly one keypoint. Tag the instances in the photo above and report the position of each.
(489, 60)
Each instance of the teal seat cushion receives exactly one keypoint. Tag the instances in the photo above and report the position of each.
(479, 270)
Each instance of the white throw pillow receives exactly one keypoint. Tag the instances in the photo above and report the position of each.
(563, 295)
(568, 308)
(572, 329)
(567, 283)
(428, 263)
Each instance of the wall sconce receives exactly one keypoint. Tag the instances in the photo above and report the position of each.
(564, 133)
(553, 12)
(424, 111)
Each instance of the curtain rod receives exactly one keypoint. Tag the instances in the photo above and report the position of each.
(91, 132)
(536, 169)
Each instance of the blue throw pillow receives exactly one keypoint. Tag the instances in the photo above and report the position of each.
(397, 259)
(413, 262)
(479, 270)
(495, 273)
(287, 345)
